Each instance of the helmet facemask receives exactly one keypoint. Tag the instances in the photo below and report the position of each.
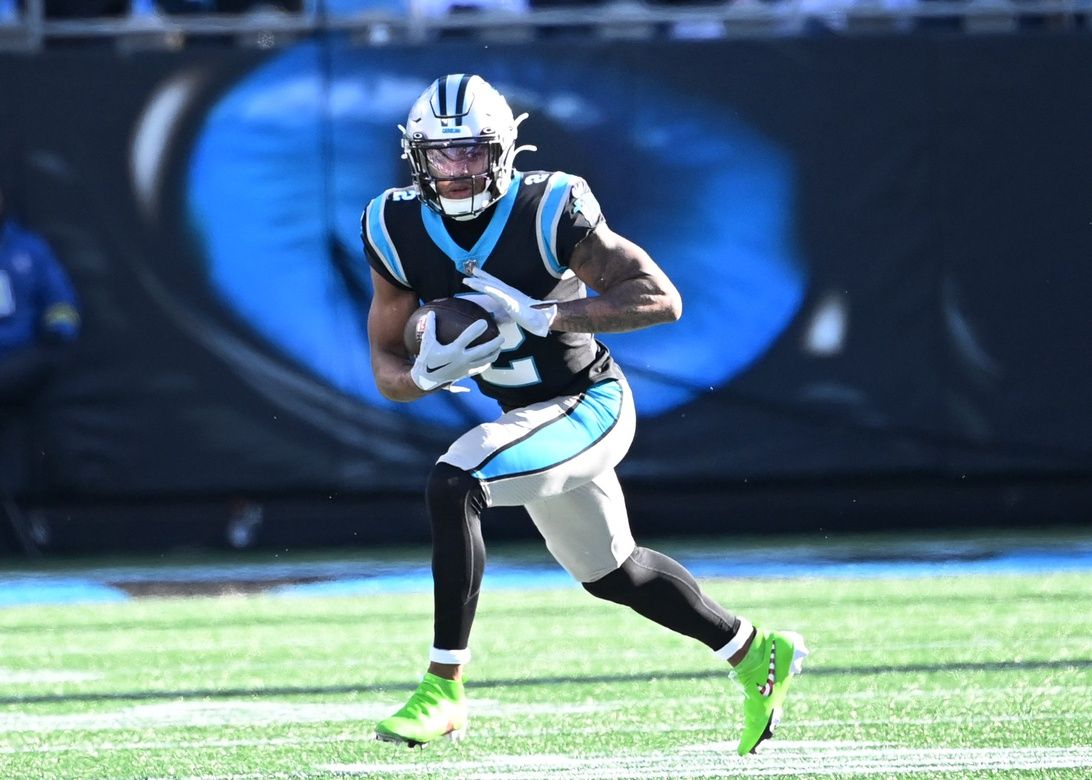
(461, 151)
(475, 165)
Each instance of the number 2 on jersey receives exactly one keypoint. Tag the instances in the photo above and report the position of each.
(516, 373)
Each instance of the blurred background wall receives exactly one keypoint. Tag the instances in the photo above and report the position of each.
(880, 219)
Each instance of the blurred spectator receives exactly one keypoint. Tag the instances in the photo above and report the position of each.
(85, 9)
(594, 9)
(246, 6)
(39, 321)
(437, 8)
(348, 8)
(96, 9)
(857, 16)
(10, 12)
(949, 20)
(179, 7)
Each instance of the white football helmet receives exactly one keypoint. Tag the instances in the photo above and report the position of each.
(461, 130)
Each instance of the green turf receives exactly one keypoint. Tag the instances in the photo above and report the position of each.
(961, 677)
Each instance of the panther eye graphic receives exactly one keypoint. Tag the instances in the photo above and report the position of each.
(322, 141)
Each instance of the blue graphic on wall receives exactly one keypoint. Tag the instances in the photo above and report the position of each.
(286, 160)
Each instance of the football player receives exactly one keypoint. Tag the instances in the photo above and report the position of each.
(528, 245)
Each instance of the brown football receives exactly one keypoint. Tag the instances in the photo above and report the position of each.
(453, 316)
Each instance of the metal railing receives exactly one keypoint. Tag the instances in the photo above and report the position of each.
(31, 28)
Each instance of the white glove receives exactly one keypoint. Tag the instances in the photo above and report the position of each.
(532, 315)
(440, 364)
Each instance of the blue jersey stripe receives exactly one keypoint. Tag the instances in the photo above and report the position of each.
(484, 246)
(561, 439)
(380, 241)
(553, 201)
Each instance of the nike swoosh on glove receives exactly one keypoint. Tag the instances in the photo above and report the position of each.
(439, 364)
(534, 316)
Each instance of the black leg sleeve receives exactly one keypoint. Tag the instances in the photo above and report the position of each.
(662, 590)
(455, 504)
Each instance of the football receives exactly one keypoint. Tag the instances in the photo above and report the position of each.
(453, 316)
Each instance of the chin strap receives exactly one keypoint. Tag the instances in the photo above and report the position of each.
(462, 209)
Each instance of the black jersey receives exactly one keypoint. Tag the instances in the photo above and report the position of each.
(528, 238)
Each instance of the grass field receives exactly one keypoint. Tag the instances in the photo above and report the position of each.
(964, 676)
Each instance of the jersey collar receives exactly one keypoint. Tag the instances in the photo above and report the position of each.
(484, 246)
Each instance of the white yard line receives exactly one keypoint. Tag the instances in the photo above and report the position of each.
(728, 723)
(1074, 646)
(507, 733)
(97, 746)
(243, 713)
(38, 676)
(249, 712)
(791, 759)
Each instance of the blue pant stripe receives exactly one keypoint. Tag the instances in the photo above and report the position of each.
(569, 434)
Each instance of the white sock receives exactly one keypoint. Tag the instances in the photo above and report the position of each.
(453, 657)
(737, 642)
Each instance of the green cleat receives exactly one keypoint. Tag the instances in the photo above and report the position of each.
(773, 659)
(436, 709)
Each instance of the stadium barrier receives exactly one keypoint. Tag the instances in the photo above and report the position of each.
(882, 242)
(416, 21)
